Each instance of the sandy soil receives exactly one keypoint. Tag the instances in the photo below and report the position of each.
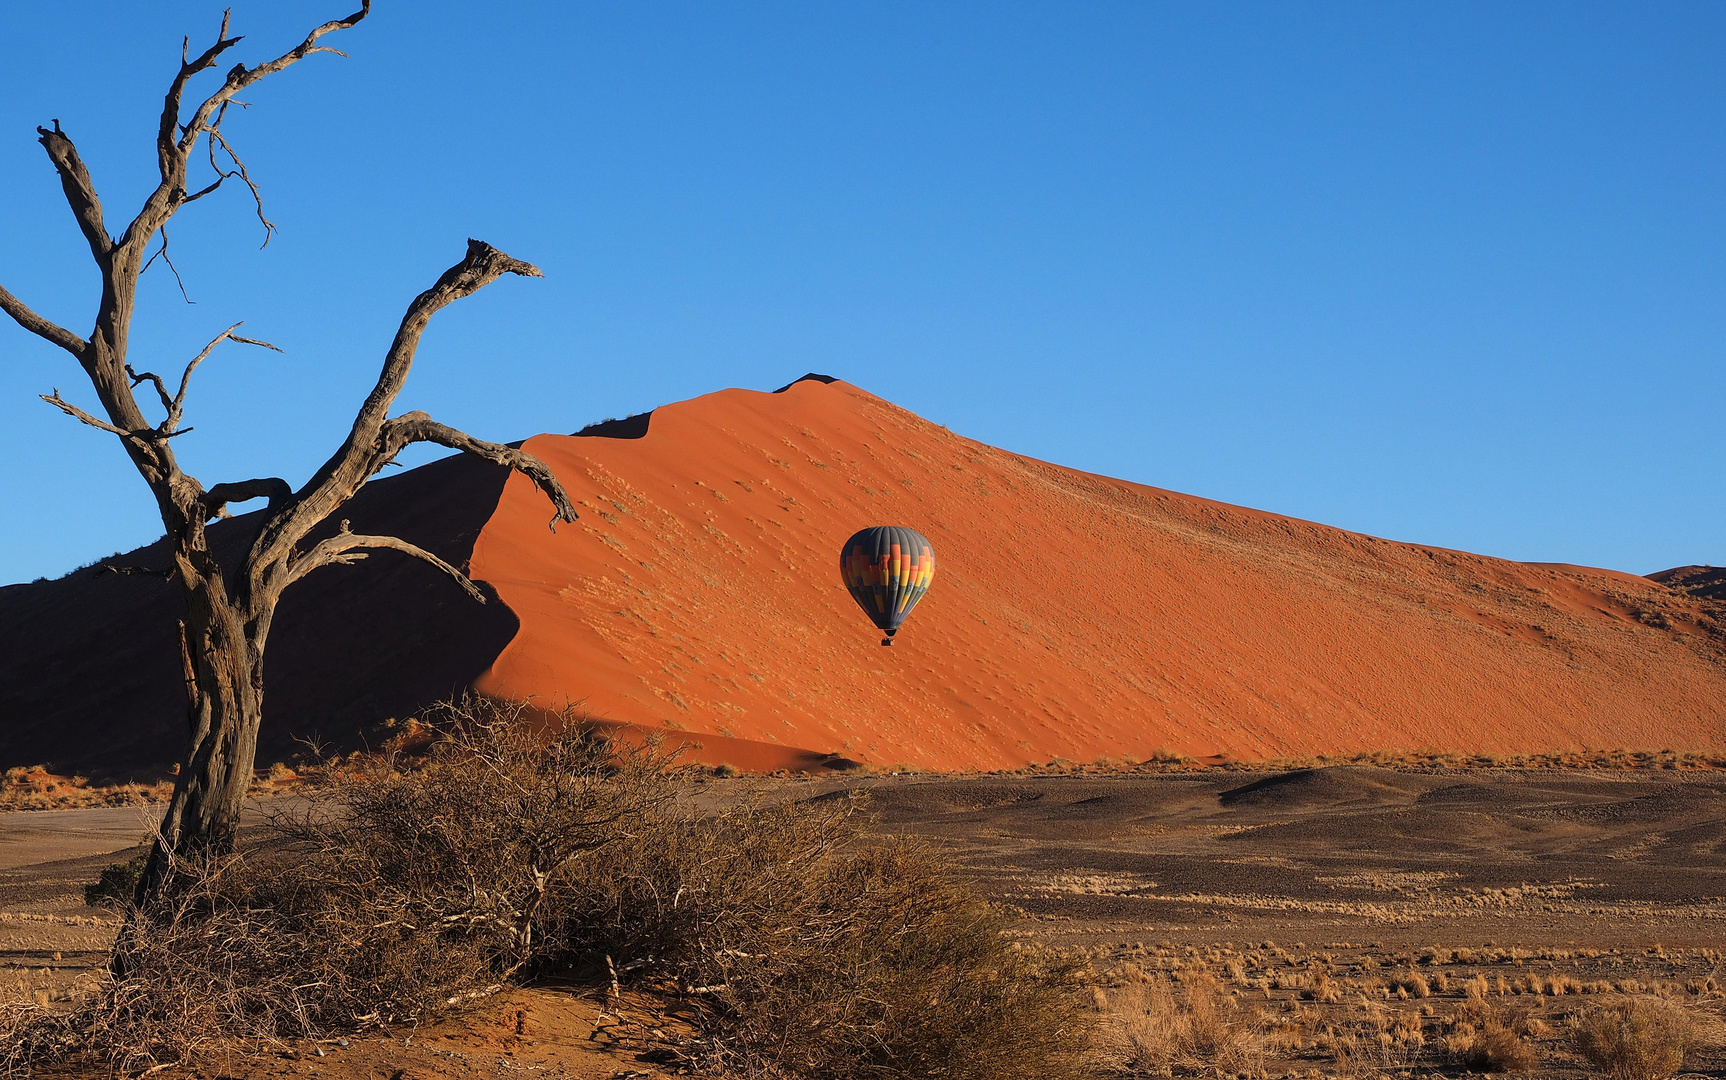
(1332, 905)
(1406, 860)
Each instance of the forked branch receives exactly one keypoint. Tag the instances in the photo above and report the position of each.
(239, 77)
(482, 265)
(167, 132)
(168, 260)
(176, 405)
(176, 139)
(350, 547)
(239, 170)
(365, 450)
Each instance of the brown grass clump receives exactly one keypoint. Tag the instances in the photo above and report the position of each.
(1641, 1039)
(804, 945)
(1149, 1028)
(1415, 983)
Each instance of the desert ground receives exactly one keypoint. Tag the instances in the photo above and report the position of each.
(1345, 921)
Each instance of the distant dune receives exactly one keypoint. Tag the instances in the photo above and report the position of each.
(1071, 616)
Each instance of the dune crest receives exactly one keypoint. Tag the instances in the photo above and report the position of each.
(1074, 616)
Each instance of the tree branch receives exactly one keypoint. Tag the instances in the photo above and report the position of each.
(76, 413)
(175, 140)
(350, 547)
(166, 144)
(142, 437)
(239, 170)
(80, 190)
(303, 49)
(42, 328)
(139, 378)
(417, 427)
(273, 488)
(482, 265)
(363, 453)
(162, 253)
(239, 77)
(177, 406)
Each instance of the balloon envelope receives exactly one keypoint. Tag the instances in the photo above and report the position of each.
(887, 569)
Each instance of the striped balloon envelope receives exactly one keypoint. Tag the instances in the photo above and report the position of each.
(888, 569)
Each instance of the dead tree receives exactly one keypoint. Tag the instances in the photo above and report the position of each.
(229, 609)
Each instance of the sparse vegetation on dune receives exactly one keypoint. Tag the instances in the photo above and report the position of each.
(38, 787)
(793, 941)
(1164, 760)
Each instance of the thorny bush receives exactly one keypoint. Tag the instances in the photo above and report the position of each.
(805, 944)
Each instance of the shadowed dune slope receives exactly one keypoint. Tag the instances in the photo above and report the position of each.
(90, 663)
(1071, 616)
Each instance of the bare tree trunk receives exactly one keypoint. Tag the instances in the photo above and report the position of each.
(224, 711)
(228, 610)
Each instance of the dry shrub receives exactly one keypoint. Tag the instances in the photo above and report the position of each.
(1150, 1029)
(806, 945)
(1498, 1044)
(31, 1032)
(1641, 1039)
(263, 946)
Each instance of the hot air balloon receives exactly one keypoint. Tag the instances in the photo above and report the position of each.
(888, 569)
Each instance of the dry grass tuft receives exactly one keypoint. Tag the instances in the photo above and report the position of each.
(1641, 1039)
(1147, 1027)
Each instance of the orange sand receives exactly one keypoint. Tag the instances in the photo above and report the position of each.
(1071, 616)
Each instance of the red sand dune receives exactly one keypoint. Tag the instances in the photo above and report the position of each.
(1071, 615)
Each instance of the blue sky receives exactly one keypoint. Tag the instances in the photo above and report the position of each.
(1445, 273)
